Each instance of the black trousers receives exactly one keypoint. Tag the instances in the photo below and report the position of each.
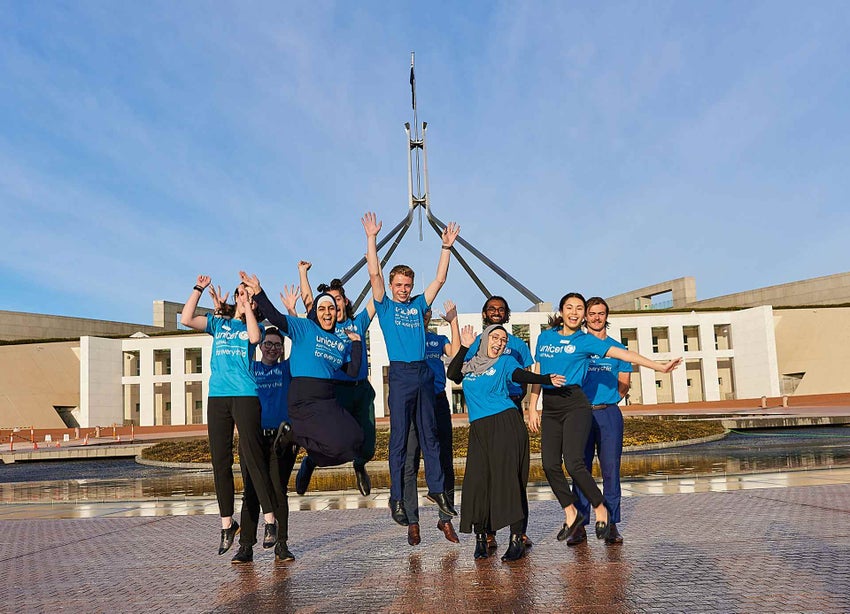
(244, 412)
(280, 462)
(564, 429)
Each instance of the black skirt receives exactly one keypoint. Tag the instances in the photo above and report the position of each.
(496, 472)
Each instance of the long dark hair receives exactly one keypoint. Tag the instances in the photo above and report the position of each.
(336, 284)
(556, 320)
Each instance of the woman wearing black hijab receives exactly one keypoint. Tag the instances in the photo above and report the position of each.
(319, 424)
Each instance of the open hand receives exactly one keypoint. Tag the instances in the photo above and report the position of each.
(451, 312)
(450, 233)
(467, 335)
(371, 224)
(289, 296)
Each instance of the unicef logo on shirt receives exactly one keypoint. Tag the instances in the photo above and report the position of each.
(570, 349)
(243, 335)
(490, 371)
(340, 346)
(413, 311)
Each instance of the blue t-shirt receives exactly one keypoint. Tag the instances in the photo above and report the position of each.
(567, 355)
(434, 346)
(517, 349)
(315, 352)
(601, 383)
(359, 325)
(404, 327)
(487, 394)
(232, 354)
(272, 388)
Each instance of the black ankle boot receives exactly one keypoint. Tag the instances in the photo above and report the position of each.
(398, 512)
(481, 551)
(516, 548)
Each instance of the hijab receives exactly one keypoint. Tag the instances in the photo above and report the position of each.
(323, 297)
(479, 363)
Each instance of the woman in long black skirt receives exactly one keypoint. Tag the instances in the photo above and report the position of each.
(329, 434)
(496, 475)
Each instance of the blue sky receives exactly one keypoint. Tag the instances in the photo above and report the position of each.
(582, 146)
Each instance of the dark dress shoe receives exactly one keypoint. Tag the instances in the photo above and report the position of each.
(282, 553)
(516, 548)
(305, 472)
(566, 531)
(245, 554)
(284, 435)
(398, 512)
(603, 530)
(614, 536)
(448, 530)
(227, 537)
(442, 502)
(577, 537)
(491, 541)
(481, 551)
(364, 484)
(528, 543)
(413, 537)
(270, 535)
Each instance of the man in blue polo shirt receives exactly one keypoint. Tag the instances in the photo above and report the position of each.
(411, 380)
(606, 383)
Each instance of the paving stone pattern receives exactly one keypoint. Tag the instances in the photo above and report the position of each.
(770, 550)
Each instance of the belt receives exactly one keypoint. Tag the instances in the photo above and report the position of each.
(345, 382)
(269, 432)
(602, 406)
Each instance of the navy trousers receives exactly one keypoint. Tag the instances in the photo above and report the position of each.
(412, 398)
(443, 415)
(606, 441)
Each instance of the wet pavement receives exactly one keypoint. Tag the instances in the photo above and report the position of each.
(762, 549)
(741, 533)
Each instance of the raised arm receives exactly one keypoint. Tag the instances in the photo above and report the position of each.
(187, 316)
(450, 316)
(638, 359)
(306, 290)
(269, 310)
(376, 277)
(450, 233)
(254, 333)
(454, 371)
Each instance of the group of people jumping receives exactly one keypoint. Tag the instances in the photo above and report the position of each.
(320, 399)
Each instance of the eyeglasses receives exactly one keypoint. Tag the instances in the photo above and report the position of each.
(492, 309)
(271, 345)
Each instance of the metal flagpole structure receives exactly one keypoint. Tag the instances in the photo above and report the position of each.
(419, 200)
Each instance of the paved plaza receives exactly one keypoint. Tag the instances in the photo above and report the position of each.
(765, 545)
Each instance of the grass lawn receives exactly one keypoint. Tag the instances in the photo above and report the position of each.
(638, 431)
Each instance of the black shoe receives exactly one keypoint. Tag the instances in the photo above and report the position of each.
(603, 530)
(244, 555)
(492, 544)
(284, 435)
(398, 512)
(227, 537)
(270, 535)
(516, 549)
(525, 539)
(442, 502)
(481, 551)
(614, 536)
(364, 484)
(577, 537)
(567, 531)
(302, 478)
(282, 553)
